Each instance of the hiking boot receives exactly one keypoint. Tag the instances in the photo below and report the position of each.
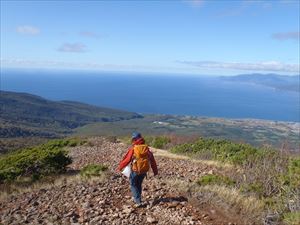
(137, 205)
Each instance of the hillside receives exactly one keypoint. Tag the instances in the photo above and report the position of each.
(176, 196)
(25, 116)
(280, 82)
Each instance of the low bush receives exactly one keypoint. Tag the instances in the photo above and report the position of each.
(92, 170)
(159, 142)
(212, 179)
(256, 188)
(292, 218)
(222, 150)
(34, 162)
(263, 175)
(292, 177)
(69, 142)
(164, 141)
(267, 175)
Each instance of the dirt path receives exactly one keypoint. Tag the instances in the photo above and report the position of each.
(108, 201)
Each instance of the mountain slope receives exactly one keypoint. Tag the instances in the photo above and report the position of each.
(109, 201)
(26, 115)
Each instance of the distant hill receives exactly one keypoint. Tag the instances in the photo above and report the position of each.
(281, 82)
(26, 115)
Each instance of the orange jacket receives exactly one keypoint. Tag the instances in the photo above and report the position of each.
(128, 157)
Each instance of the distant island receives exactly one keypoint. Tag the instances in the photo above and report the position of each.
(280, 82)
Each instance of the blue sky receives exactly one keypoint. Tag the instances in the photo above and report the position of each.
(198, 37)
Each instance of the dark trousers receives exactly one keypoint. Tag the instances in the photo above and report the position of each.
(136, 181)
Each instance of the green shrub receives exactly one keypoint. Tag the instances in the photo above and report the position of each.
(212, 179)
(148, 139)
(256, 188)
(37, 161)
(270, 202)
(273, 176)
(157, 141)
(70, 142)
(92, 170)
(292, 218)
(292, 177)
(222, 150)
(160, 142)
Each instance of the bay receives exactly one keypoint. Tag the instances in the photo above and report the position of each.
(157, 93)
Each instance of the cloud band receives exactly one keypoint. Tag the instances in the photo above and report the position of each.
(259, 66)
(286, 36)
(29, 30)
(72, 47)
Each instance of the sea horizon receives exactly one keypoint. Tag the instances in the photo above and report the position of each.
(190, 95)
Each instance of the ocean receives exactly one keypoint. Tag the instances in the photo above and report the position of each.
(158, 93)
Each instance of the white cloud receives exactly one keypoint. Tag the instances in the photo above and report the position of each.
(27, 29)
(72, 47)
(258, 66)
(287, 36)
(209, 66)
(31, 63)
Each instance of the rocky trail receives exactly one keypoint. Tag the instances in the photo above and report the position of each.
(108, 200)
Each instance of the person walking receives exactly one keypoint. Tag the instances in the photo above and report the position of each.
(140, 158)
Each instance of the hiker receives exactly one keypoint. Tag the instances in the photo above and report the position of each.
(140, 158)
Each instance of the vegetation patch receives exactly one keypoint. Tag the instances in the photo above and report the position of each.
(157, 141)
(229, 198)
(272, 177)
(93, 170)
(222, 150)
(292, 177)
(212, 179)
(38, 161)
(292, 218)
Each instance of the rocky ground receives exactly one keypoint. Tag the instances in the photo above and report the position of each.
(108, 200)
